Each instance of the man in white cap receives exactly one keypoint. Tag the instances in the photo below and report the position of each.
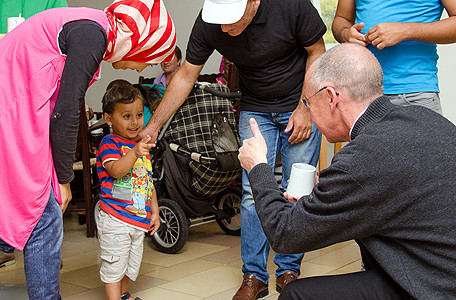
(272, 43)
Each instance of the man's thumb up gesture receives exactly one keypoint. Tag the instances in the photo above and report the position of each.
(254, 149)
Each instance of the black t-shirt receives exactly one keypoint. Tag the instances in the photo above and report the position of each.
(84, 43)
(269, 53)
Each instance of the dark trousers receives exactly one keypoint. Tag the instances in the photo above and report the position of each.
(5, 247)
(371, 284)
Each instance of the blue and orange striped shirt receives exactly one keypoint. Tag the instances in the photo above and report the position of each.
(127, 199)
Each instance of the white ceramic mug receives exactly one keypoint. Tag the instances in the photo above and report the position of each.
(13, 22)
(302, 179)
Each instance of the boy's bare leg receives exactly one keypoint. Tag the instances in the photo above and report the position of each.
(113, 290)
(124, 284)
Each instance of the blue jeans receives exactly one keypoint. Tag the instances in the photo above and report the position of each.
(254, 245)
(427, 99)
(5, 247)
(42, 254)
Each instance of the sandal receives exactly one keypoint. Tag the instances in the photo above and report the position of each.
(127, 296)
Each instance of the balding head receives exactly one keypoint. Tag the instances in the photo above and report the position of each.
(351, 68)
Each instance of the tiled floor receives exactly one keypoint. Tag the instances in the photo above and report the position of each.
(208, 267)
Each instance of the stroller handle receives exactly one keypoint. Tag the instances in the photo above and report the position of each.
(199, 158)
(215, 92)
(226, 161)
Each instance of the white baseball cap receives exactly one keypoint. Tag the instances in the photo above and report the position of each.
(223, 11)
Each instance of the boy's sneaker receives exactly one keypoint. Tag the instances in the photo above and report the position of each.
(6, 259)
(127, 296)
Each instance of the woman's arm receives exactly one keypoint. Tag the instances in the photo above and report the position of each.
(84, 43)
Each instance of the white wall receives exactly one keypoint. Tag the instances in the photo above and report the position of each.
(183, 13)
(447, 79)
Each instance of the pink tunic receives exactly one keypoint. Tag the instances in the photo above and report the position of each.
(32, 66)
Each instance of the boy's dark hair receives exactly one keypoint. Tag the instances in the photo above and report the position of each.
(117, 82)
(120, 92)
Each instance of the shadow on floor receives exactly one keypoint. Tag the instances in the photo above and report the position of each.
(18, 292)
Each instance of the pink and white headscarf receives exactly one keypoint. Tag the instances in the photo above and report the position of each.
(141, 31)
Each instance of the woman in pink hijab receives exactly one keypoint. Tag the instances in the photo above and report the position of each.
(48, 62)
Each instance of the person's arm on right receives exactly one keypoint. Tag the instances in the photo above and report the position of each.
(344, 28)
(439, 32)
(176, 94)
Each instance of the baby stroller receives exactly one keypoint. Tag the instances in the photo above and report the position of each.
(196, 169)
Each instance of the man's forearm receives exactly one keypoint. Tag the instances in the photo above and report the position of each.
(173, 98)
(176, 94)
(314, 52)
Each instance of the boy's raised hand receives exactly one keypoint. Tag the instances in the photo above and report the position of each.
(142, 148)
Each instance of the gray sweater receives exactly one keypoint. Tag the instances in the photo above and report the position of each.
(393, 187)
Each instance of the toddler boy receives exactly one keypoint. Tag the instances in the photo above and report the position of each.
(128, 202)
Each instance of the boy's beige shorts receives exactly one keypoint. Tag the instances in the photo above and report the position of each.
(121, 248)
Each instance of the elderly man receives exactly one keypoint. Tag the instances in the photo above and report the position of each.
(391, 188)
(271, 43)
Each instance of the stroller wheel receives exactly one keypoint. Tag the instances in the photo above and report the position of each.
(228, 206)
(173, 231)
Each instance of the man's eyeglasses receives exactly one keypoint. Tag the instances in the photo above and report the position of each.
(304, 100)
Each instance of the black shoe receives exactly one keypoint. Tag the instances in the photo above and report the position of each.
(6, 259)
